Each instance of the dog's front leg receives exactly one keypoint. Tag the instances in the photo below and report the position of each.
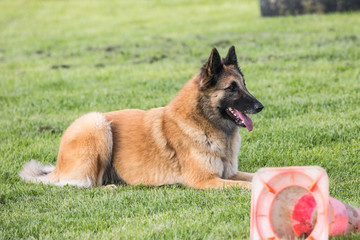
(217, 182)
(242, 176)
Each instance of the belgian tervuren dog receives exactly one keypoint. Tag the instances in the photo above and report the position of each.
(193, 141)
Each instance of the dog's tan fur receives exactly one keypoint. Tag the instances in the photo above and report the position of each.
(175, 144)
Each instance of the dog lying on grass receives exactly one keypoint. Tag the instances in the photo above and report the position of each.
(193, 141)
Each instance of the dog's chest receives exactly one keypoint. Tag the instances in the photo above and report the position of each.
(217, 146)
(222, 154)
(214, 151)
(223, 146)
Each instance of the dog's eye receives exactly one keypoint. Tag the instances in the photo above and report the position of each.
(233, 87)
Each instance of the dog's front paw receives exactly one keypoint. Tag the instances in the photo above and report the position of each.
(110, 186)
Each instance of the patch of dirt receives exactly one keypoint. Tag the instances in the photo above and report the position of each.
(222, 43)
(99, 65)
(166, 39)
(351, 38)
(42, 53)
(200, 37)
(111, 48)
(245, 59)
(65, 66)
(48, 128)
(108, 48)
(157, 58)
(91, 49)
(151, 59)
(184, 45)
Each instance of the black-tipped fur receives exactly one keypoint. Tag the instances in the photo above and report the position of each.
(211, 69)
(231, 59)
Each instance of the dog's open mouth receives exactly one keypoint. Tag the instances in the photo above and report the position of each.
(240, 119)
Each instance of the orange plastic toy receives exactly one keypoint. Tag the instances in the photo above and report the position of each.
(294, 202)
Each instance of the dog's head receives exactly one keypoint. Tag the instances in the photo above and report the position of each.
(223, 95)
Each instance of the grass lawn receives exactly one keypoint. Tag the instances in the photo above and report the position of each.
(62, 59)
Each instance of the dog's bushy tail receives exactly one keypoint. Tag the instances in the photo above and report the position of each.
(35, 172)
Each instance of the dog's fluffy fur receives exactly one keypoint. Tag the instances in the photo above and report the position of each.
(193, 141)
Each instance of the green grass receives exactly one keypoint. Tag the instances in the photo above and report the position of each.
(138, 54)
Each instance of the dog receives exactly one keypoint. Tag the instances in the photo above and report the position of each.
(193, 141)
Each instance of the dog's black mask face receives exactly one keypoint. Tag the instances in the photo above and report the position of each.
(223, 85)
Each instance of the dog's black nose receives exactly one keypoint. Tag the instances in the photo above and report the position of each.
(258, 107)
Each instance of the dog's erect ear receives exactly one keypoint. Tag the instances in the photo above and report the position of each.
(211, 68)
(214, 62)
(231, 58)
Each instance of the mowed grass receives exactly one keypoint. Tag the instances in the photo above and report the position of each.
(62, 59)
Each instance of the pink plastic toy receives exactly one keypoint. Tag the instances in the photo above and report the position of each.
(294, 202)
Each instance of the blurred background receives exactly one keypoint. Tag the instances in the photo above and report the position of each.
(62, 59)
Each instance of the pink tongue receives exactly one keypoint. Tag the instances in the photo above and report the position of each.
(247, 121)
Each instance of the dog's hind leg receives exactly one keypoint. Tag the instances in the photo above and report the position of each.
(84, 153)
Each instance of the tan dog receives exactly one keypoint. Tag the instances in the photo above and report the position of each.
(193, 141)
